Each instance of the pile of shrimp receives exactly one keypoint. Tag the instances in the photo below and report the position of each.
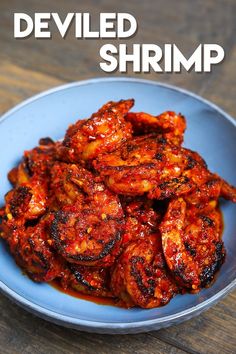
(117, 209)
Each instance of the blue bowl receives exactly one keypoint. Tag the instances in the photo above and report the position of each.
(210, 131)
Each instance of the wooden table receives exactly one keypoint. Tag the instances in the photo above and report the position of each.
(30, 66)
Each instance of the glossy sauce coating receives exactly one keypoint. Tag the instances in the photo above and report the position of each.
(119, 212)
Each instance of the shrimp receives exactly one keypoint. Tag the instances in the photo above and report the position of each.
(32, 250)
(89, 232)
(35, 163)
(141, 219)
(28, 201)
(30, 197)
(103, 132)
(89, 280)
(140, 276)
(64, 184)
(192, 244)
(169, 123)
(142, 165)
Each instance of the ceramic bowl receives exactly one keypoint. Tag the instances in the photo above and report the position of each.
(210, 131)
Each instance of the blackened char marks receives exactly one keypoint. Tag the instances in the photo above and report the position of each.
(20, 198)
(146, 291)
(209, 272)
(207, 220)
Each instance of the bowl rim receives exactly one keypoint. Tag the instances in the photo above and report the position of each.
(75, 321)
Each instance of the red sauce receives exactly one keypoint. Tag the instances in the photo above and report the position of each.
(98, 300)
(114, 301)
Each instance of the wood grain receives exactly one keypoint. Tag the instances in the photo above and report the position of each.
(29, 67)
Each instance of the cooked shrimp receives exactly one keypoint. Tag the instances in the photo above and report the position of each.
(27, 201)
(64, 184)
(141, 219)
(89, 233)
(90, 280)
(142, 164)
(31, 247)
(117, 209)
(169, 123)
(228, 191)
(35, 163)
(140, 276)
(30, 197)
(192, 243)
(103, 132)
